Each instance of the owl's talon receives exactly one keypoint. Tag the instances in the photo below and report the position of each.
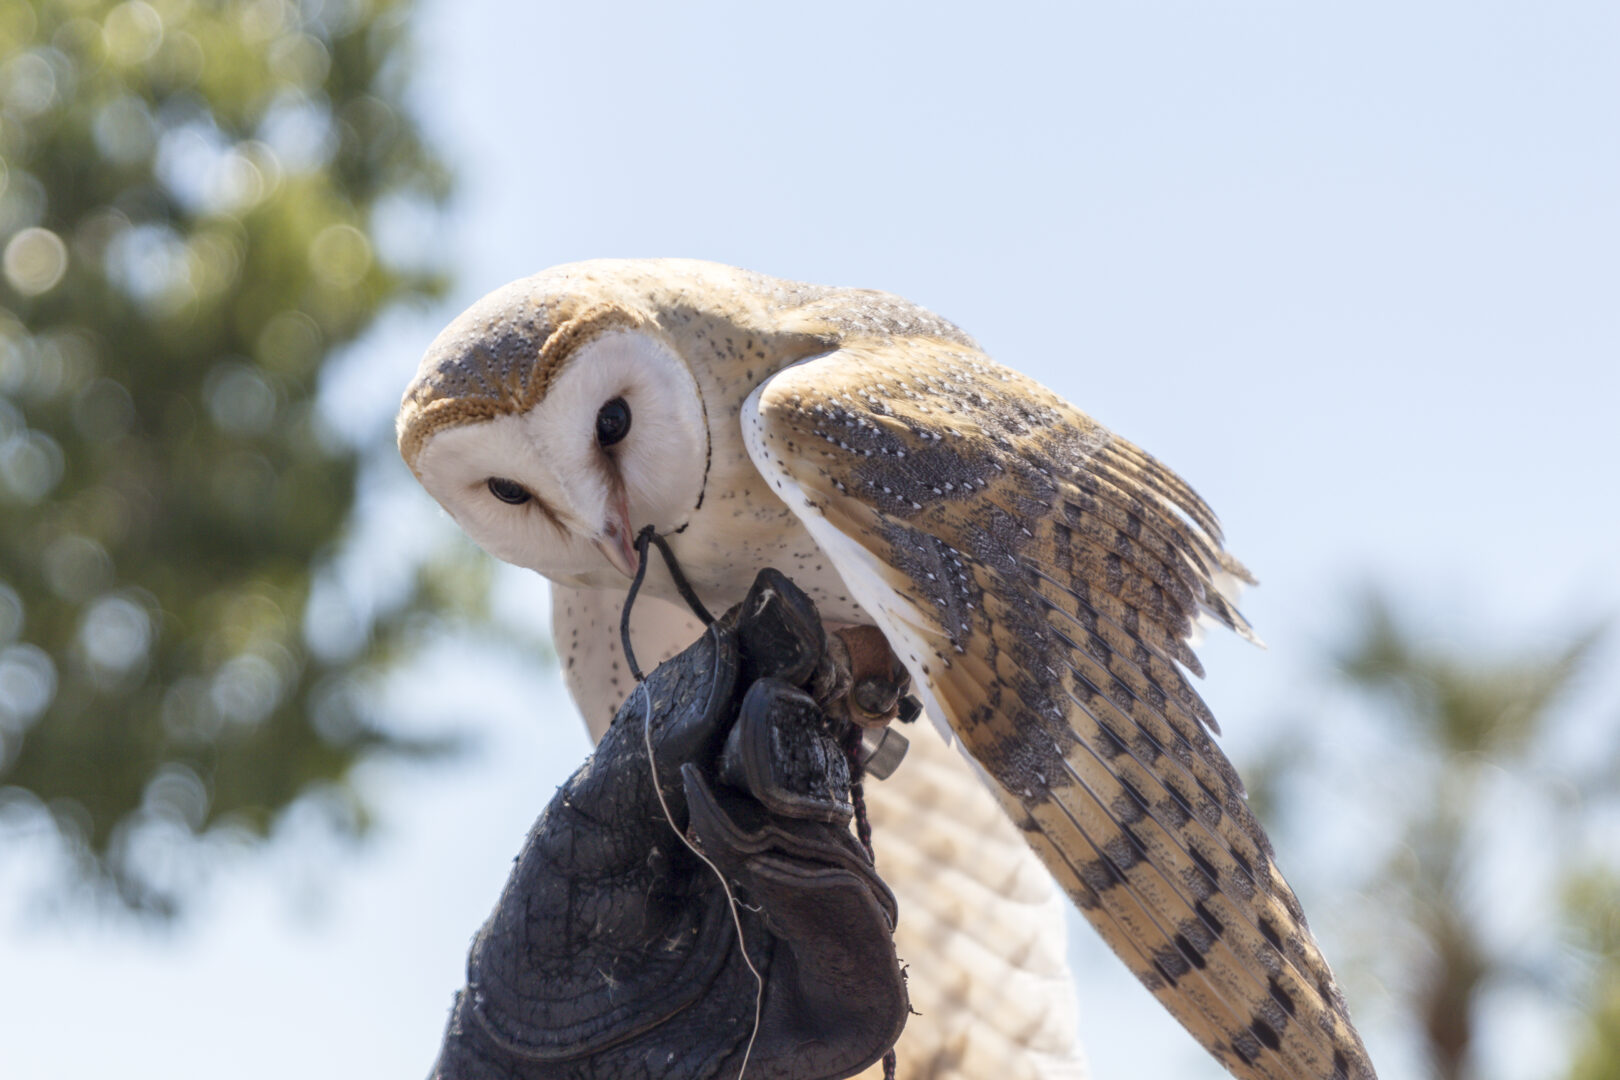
(877, 676)
(876, 696)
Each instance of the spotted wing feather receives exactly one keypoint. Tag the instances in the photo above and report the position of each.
(1041, 577)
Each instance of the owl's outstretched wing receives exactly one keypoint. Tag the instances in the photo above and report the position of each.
(1040, 579)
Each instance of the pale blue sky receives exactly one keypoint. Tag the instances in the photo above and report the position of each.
(1354, 270)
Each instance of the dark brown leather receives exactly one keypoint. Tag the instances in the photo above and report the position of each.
(613, 951)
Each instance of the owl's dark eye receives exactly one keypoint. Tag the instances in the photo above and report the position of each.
(508, 491)
(612, 422)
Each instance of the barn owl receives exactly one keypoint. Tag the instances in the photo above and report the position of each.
(1038, 576)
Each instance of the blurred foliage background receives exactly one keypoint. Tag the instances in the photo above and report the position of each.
(1483, 822)
(189, 195)
(195, 209)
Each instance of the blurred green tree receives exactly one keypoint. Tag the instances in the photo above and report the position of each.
(189, 202)
(1478, 746)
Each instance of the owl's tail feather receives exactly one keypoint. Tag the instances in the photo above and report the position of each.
(1136, 476)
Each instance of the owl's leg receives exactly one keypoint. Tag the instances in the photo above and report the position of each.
(878, 680)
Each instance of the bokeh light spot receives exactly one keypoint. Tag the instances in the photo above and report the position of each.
(238, 183)
(28, 84)
(44, 367)
(240, 401)
(27, 685)
(300, 132)
(35, 260)
(95, 232)
(337, 710)
(263, 159)
(14, 371)
(216, 256)
(77, 568)
(81, 40)
(340, 255)
(116, 634)
(181, 59)
(30, 466)
(133, 32)
(176, 793)
(335, 17)
(301, 61)
(69, 358)
(246, 689)
(149, 263)
(335, 626)
(289, 343)
(124, 130)
(251, 620)
(262, 20)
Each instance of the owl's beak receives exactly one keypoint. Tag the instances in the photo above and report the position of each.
(618, 540)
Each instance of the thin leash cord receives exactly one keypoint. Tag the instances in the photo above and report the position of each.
(682, 586)
(857, 795)
(643, 538)
(652, 761)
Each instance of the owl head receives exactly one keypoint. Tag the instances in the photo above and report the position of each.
(553, 420)
(562, 413)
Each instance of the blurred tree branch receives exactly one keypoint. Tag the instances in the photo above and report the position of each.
(196, 201)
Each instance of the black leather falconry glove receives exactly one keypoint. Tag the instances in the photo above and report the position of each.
(614, 953)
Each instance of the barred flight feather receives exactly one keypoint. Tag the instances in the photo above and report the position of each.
(1044, 578)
